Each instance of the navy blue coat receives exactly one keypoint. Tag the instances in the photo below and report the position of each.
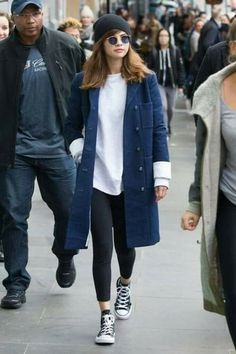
(144, 142)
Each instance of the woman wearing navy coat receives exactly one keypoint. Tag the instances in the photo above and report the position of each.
(117, 136)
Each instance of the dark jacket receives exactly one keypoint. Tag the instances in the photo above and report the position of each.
(176, 74)
(216, 58)
(210, 35)
(144, 142)
(63, 58)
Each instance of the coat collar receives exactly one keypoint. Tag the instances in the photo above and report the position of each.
(131, 91)
(93, 97)
(19, 47)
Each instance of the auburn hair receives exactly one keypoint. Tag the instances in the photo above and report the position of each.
(96, 68)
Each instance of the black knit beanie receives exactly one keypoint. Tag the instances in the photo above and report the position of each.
(107, 23)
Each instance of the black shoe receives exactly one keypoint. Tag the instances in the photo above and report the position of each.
(123, 306)
(13, 299)
(66, 273)
(106, 334)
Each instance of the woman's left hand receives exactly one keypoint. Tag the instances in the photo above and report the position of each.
(160, 192)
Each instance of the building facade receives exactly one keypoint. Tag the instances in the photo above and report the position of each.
(56, 10)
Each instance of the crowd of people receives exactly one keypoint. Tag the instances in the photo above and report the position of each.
(177, 61)
(105, 167)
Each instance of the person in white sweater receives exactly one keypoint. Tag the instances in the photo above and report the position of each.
(117, 136)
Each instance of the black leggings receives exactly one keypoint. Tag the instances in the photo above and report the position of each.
(107, 211)
(226, 236)
(1, 220)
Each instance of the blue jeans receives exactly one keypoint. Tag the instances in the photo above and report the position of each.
(56, 180)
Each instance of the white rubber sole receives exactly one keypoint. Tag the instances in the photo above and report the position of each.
(105, 340)
(124, 317)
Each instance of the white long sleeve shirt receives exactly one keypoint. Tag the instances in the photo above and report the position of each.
(108, 168)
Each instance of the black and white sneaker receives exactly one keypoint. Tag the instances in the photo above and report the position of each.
(106, 334)
(123, 306)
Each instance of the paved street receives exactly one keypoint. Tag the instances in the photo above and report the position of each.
(167, 316)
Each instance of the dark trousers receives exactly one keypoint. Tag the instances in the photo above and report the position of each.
(56, 180)
(106, 212)
(226, 237)
(1, 248)
(168, 99)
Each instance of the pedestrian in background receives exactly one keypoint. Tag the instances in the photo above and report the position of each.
(87, 20)
(212, 195)
(117, 136)
(165, 59)
(210, 33)
(72, 26)
(218, 56)
(191, 52)
(194, 37)
(36, 68)
(6, 26)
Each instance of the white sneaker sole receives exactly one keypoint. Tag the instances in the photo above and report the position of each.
(105, 340)
(123, 317)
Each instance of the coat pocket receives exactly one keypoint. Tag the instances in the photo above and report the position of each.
(146, 115)
(146, 119)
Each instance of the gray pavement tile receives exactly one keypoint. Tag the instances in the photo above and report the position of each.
(175, 314)
(158, 286)
(41, 281)
(61, 307)
(67, 349)
(56, 331)
(156, 341)
(12, 348)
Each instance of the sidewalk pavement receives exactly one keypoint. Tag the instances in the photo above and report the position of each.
(167, 313)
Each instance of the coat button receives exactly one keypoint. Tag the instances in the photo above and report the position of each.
(142, 189)
(135, 107)
(140, 168)
(137, 129)
(138, 148)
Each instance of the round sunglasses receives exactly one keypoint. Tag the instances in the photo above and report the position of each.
(125, 39)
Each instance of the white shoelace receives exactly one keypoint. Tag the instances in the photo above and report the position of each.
(107, 325)
(123, 297)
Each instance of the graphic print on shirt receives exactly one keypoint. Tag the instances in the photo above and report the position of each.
(39, 129)
(36, 65)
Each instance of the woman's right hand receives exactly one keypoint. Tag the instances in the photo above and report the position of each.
(189, 221)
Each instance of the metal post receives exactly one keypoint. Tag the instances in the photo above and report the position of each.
(108, 6)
